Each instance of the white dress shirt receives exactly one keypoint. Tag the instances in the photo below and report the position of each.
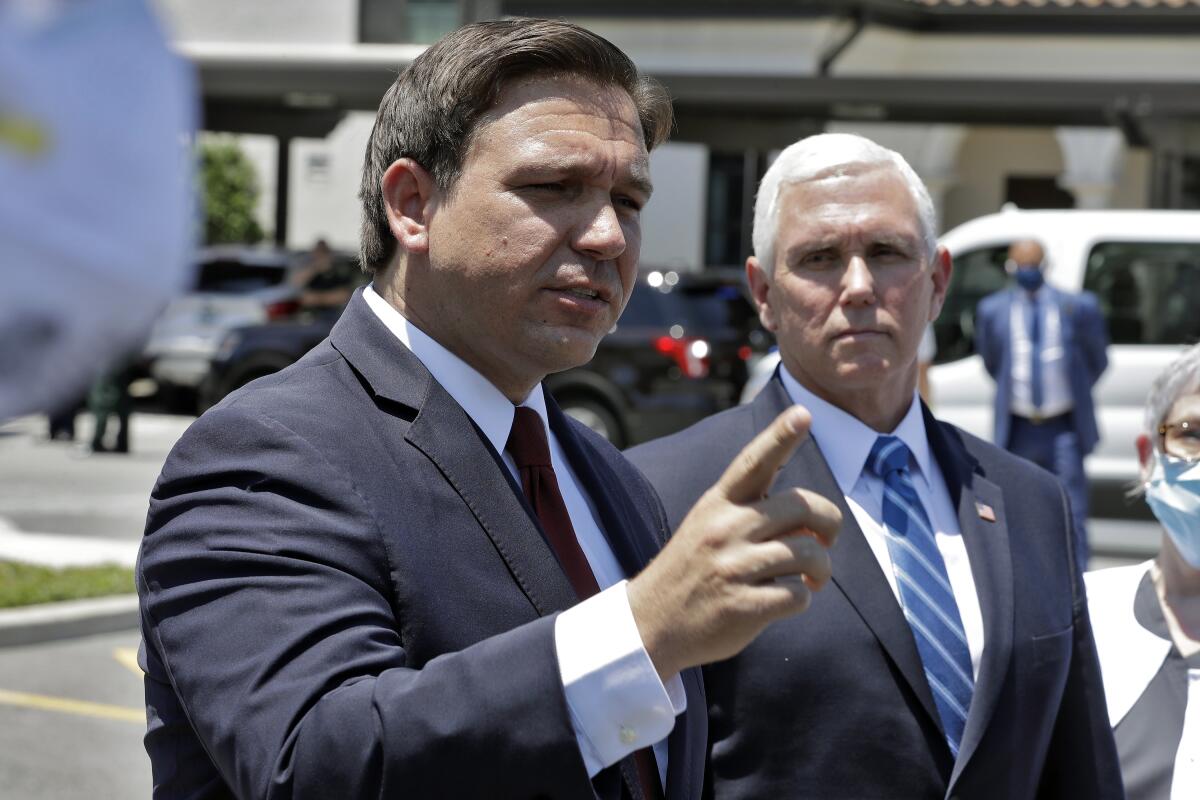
(846, 442)
(1056, 385)
(617, 702)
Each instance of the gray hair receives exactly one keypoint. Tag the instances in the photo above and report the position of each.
(827, 155)
(1181, 376)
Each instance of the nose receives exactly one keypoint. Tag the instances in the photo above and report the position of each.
(858, 284)
(600, 235)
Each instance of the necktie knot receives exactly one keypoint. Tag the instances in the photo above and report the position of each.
(527, 439)
(888, 455)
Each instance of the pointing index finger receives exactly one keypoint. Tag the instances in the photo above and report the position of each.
(750, 475)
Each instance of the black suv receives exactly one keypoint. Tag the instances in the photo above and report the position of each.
(678, 354)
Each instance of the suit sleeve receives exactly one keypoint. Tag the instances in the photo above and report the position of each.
(1082, 758)
(985, 343)
(1093, 336)
(267, 605)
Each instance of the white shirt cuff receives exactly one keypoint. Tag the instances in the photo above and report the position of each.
(617, 702)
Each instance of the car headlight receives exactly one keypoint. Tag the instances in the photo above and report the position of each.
(227, 346)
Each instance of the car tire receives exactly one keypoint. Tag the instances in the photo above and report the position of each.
(596, 416)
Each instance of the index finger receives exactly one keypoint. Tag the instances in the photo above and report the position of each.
(750, 475)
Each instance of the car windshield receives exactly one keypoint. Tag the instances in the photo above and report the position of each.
(708, 307)
(712, 307)
(229, 276)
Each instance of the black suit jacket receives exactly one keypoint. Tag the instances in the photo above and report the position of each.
(345, 595)
(833, 703)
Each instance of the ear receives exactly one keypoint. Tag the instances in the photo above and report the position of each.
(760, 291)
(408, 198)
(1145, 451)
(943, 268)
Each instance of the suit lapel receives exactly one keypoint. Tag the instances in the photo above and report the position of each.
(856, 571)
(609, 500)
(470, 464)
(986, 540)
(448, 438)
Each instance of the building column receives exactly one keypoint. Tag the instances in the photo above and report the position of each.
(1092, 160)
(282, 182)
(931, 150)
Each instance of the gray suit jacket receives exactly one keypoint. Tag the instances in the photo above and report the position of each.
(834, 703)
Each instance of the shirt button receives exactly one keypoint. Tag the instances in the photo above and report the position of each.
(628, 735)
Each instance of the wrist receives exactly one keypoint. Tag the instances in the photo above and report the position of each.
(653, 628)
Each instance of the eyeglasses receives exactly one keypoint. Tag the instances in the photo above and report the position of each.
(1181, 439)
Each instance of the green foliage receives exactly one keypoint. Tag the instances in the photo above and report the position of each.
(230, 194)
(26, 584)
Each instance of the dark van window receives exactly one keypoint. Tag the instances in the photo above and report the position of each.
(229, 276)
(1149, 292)
(977, 273)
(642, 309)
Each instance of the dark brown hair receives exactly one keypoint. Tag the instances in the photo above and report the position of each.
(431, 111)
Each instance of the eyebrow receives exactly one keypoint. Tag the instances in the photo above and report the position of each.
(638, 177)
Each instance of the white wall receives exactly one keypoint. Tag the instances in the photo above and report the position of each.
(290, 21)
(325, 175)
(672, 222)
(883, 51)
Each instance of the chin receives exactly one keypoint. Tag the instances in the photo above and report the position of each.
(567, 351)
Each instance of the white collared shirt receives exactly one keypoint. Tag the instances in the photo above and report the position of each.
(845, 442)
(1056, 385)
(617, 702)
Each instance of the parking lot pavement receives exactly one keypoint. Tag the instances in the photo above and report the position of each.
(72, 719)
(49, 487)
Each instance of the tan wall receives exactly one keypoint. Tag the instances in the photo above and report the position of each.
(987, 157)
(1133, 187)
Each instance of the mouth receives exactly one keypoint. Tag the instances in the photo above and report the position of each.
(584, 293)
(859, 334)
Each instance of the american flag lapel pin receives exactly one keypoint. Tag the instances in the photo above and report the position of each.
(985, 512)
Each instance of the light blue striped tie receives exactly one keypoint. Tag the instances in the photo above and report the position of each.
(925, 592)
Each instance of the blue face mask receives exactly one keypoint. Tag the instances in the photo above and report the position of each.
(1030, 278)
(1173, 493)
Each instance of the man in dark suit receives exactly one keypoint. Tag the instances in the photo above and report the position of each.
(396, 568)
(1046, 349)
(951, 655)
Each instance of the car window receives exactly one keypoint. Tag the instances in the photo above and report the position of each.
(977, 273)
(229, 276)
(642, 309)
(713, 307)
(1149, 291)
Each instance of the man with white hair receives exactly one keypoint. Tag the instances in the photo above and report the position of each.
(951, 654)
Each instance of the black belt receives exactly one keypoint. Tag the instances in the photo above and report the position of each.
(1038, 419)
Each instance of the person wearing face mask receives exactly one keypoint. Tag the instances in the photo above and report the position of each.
(1045, 348)
(1146, 617)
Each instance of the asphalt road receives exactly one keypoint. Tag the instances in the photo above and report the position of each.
(71, 721)
(50, 487)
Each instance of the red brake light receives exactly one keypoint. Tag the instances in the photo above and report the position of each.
(689, 353)
(744, 352)
(283, 308)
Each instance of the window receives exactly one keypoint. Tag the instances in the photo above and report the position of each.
(726, 207)
(977, 273)
(1149, 292)
(416, 21)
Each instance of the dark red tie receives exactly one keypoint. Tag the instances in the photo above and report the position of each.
(528, 446)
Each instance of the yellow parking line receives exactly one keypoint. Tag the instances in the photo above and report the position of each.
(79, 707)
(127, 658)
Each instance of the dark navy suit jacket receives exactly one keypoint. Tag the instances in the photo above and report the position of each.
(345, 595)
(1085, 342)
(833, 703)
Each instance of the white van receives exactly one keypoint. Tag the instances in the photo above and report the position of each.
(1143, 266)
